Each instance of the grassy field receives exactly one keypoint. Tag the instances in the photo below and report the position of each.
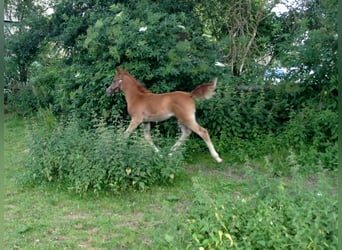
(47, 217)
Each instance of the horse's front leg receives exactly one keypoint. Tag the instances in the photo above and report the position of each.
(147, 135)
(132, 125)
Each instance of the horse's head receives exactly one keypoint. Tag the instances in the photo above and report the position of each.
(116, 83)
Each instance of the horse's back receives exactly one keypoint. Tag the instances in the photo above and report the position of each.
(176, 97)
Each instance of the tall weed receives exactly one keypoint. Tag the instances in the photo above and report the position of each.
(268, 214)
(96, 159)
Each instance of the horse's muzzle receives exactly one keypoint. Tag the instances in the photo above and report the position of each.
(110, 91)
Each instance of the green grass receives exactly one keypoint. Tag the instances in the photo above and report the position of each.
(48, 217)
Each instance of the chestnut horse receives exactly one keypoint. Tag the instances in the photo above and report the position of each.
(145, 107)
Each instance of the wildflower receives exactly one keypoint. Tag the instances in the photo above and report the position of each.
(219, 64)
(143, 29)
(128, 171)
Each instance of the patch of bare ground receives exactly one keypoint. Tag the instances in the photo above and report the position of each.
(313, 180)
(86, 244)
(74, 216)
(227, 172)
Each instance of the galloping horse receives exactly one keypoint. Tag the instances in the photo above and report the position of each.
(145, 107)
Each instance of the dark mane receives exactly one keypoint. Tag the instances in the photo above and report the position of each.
(141, 88)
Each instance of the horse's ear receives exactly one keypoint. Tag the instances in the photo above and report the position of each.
(119, 70)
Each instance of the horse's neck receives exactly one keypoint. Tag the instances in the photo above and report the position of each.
(132, 91)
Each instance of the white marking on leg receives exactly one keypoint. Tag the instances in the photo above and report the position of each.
(203, 133)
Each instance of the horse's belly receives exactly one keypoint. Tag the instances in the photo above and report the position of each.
(157, 117)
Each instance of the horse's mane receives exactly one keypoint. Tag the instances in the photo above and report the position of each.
(140, 87)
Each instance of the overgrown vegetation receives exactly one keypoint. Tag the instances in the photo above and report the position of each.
(170, 46)
(98, 159)
(269, 214)
(236, 206)
(254, 125)
(273, 118)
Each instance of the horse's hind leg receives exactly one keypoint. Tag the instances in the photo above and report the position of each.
(147, 135)
(185, 133)
(203, 133)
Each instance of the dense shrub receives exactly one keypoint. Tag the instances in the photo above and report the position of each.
(267, 123)
(42, 90)
(313, 133)
(21, 101)
(163, 51)
(96, 159)
(246, 114)
(270, 214)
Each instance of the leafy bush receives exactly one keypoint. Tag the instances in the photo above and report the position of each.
(313, 134)
(39, 92)
(268, 123)
(163, 51)
(270, 214)
(308, 139)
(96, 159)
(21, 101)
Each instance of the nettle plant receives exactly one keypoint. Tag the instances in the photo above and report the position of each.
(268, 214)
(97, 159)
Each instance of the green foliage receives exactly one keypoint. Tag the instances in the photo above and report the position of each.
(314, 131)
(96, 159)
(313, 34)
(21, 101)
(270, 214)
(42, 90)
(166, 46)
(24, 38)
(260, 123)
(148, 44)
(204, 198)
(235, 26)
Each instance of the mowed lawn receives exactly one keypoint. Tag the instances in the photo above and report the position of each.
(51, 217)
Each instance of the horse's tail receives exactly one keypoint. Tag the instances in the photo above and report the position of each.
(205, 90)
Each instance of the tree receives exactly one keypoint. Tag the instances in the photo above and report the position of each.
(29, 28)
(235, 25)
(310, 51)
